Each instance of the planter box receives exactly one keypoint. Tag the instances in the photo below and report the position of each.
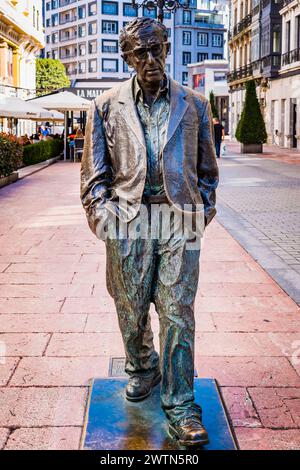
(9, 179)
(251, 148)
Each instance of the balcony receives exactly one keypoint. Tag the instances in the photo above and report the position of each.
(239, 27)
(64, 3)
(68, 56)
(69, 20)
(291, 57)
(68, 38)
(285, 3)
(240, 74)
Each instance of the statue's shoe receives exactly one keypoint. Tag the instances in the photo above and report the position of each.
(139, 388)
(189, 432)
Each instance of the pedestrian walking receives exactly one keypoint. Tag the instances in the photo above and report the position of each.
(219, 136)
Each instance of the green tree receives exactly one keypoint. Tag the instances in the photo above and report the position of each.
(251, 128)
(50, 76)
(212, 101)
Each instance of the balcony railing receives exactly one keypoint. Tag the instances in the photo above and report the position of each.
(63, 3)
(68, 56)
(272, 60)
(285, 3)
(239, 27)
(68, 38)
(239, 74)
(69, 20)
(291, 56)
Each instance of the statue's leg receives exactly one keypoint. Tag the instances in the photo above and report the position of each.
(177, 280)
(130, 268)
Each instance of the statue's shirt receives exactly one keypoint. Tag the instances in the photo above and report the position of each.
(154, 121)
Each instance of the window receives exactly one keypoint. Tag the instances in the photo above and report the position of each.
(186, 38)
(48, 39)
(92, 46)
(185, 77)
(149, 13)
(202, 39)
(217, 56)
(220, 77)
(38, 20)
(298, 31)
(186, 17)
(54, 19)
(109, 65)
(167, 15)
(48, 22)
(81, 31)
(82, 49)
(54, 4)
(288, 36)
(109, 27)
(93, 65)
(92, 28)
(109, 8)
(168, 68)
(201, 56)
(54, 38)
(48, 6)
(109, 46)
(48, 54)
(169, 32)
(55, 54)
(82, 67)
(217, 40)
(186, 58)
(129, 10)
(92, 9)
(276, 38)
(81, 12)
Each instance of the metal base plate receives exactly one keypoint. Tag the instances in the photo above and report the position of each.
(114, 423)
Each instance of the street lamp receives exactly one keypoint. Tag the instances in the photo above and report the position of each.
(169, 5)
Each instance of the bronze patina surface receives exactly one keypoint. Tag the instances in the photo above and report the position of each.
(146, 139)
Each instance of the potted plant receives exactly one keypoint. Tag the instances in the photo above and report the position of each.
(10, 158)
(251, 129)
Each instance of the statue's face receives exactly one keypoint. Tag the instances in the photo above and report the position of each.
(148, 55)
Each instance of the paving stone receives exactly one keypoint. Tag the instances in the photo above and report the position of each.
(3, 437)
(277, 407)
(51, 438)
(248, 371)
(24, 344)
(35, 305)
(48, 323)
(7, 367)
(240, 407)
(30, 407)
(256, 322)
(59, 371)
(268, 439)
(85, 344)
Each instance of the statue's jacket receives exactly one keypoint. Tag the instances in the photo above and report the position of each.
(114, 161)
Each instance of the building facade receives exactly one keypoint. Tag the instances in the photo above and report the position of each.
(264, 45)
(21, 39)
(199, 34)
(211, 75)
(83, 34)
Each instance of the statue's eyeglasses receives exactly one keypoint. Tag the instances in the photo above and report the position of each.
(141, 53)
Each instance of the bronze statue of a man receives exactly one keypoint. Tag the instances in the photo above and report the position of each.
(149, 141)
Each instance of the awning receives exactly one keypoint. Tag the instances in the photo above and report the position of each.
(13, 107)
(62, 101)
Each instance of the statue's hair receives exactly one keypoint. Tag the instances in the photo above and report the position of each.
(133, 28)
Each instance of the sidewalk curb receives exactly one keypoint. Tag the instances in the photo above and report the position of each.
(31, 169)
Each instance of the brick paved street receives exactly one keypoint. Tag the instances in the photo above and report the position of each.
(58, 323)
(259, 202)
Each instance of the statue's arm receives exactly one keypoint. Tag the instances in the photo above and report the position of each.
(208, 172)
(95, 177)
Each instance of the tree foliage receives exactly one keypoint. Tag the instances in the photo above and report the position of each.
(50, 76)
(251, 128)
(212, 101)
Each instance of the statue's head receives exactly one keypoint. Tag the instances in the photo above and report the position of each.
(144, 45)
